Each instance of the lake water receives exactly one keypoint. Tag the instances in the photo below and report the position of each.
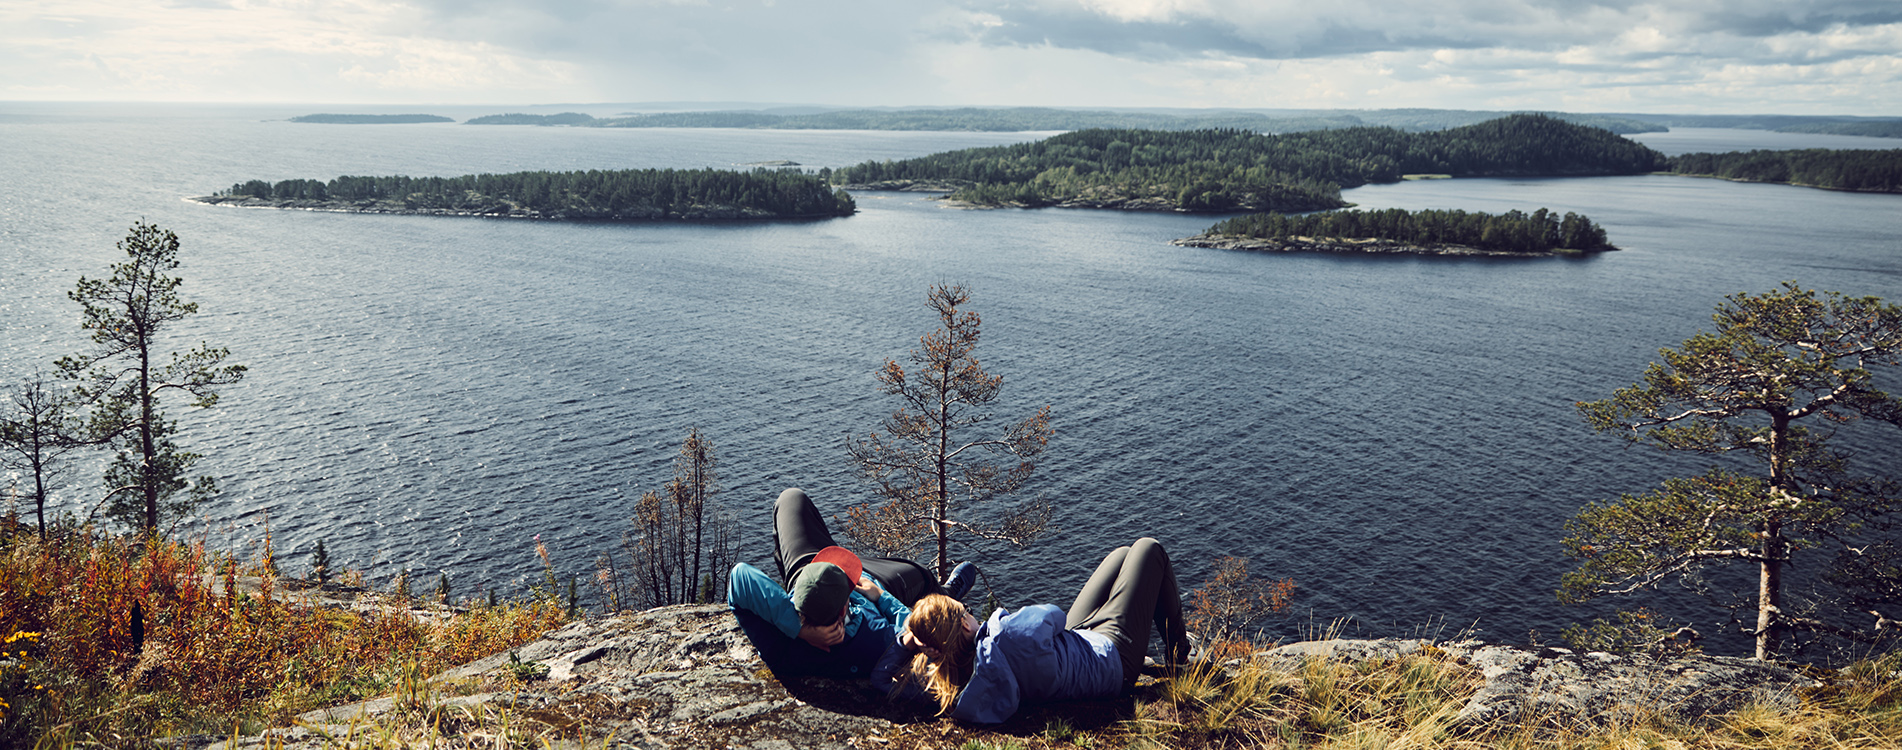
(1395, 434)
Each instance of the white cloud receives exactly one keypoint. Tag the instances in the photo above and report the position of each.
(1677, 55)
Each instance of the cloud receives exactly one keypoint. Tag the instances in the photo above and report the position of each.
(1680, 55)
(1296, 29)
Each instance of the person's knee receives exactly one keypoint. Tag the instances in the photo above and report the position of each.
(792, 497)
(1147, 547)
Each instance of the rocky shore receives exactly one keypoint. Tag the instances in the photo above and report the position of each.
(1347, 245)
(686, 677)
(505, 210)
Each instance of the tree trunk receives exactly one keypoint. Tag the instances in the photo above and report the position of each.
(1770, 592)
(148, 449)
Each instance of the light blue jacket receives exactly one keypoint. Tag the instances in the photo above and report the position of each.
(1030, 657)
(751, 589)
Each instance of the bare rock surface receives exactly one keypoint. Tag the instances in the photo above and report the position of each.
(686, 677)
(1561, 686)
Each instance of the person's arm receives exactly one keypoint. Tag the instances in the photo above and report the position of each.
(889, 608)
(891, 668)
(991, 696)
(752, 590)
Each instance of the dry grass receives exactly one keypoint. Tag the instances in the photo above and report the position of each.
(213, 656)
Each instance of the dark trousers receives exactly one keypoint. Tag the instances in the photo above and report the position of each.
(799, 532)
(1133, 589)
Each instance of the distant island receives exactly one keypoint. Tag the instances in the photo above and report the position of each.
(1229, 170)
(1875, 127)
(1020, 119)
(565, 118)
(618, 195)
(370, 119)
(1867, 171)
(1431, 232)
(1263, 120)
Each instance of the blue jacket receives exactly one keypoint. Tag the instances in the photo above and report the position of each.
(1030, 657)
(870, 627)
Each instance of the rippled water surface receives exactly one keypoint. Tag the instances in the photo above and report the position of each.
(1396, 434)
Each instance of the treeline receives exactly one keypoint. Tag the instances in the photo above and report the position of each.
(629, 194)
(1226, 170)
(1870, 128)
(1019, 119)
(517, 118)
(1514, 231)
(1862, 170)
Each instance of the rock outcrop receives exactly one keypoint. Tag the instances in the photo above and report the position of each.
(686, 677)
(1564, 687)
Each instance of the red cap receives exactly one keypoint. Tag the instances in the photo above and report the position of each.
(843, 558)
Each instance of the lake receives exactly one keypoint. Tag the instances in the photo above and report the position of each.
(1396, 434)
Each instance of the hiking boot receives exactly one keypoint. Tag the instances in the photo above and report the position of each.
(963, 577)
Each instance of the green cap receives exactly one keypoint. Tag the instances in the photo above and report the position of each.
(819, 591)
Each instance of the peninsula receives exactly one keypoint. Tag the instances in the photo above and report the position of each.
(1854, 170)
(1225, 170)
(613, 195)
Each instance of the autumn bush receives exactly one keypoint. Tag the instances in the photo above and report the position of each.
(111, 638)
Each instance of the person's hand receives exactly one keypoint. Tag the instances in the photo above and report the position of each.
(823, 638)
(906, 639)
(867, 588)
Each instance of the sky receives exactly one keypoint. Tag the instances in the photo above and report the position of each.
(1799, 57)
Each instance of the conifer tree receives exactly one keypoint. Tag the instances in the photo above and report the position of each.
(1782, 371)
(38, 427)
(125, 375)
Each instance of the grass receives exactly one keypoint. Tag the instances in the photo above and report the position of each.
(114, 640)
(221, 658)
(1413, 702)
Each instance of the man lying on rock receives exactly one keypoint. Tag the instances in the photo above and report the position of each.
(829, 613)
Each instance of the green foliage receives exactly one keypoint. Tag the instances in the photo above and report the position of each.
(1634, 632)
(1868, 171)
(1776, 363)
(565, 118)
(628, 194)
(1022, 119)
(1866, 128)
(1230, 169)
(320, 563)
(124, 375)
(1513, 231)
(38, 427)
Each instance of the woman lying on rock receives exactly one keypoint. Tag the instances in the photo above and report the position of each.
(982, 673)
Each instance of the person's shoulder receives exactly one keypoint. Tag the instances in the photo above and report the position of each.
(1033, 622)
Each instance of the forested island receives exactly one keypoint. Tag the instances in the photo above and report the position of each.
(613, 195)
(1235, 170)
(370, 119)
(1394, 230)
(516, 118)
(1870, 171)
(1020, 119)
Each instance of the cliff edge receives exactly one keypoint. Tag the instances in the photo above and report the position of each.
(686, 677)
